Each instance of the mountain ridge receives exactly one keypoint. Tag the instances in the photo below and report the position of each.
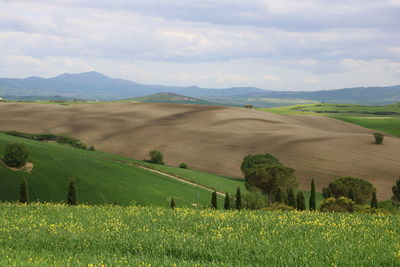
(94, 85)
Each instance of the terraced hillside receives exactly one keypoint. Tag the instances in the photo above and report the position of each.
(215, 139)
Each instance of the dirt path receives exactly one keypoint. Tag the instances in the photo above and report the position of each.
(171, 176)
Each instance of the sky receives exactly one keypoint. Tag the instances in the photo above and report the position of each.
(274, 44)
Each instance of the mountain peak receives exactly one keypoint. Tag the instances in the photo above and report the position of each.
(89, 74)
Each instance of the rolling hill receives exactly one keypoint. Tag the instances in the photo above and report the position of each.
(170, 98)
(96, 86)
(215, 139)
(101, 178)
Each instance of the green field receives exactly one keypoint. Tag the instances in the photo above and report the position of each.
(58, 235)
(381, 118)
(100, 179)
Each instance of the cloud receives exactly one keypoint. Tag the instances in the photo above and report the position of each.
(308, 39)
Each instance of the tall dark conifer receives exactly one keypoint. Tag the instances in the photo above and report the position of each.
(291, 198)
(172, 205)
(227, 204)
(23, 191)
(238, 201)
(374, 201)
(214, 200)
(300, 201)
(312, 202)
(71, 196)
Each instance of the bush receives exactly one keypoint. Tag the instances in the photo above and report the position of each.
(183, 165)
(15, 155)
(254, 201)
(156, 157)
(341, 204)
(92, 148)
(278, 207)
(378, 138)
(362, 190)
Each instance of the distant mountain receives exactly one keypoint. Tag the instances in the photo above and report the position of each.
(171, 98)
(94, 85)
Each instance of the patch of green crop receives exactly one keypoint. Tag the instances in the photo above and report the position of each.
(58, 235)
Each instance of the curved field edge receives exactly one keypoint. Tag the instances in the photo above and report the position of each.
(99, 181)
(59, 235)
(387, 124)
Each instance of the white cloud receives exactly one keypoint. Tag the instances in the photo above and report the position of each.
(210, 43)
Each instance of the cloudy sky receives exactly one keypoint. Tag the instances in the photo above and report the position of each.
(271, 44)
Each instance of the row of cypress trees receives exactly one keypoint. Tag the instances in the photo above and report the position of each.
(71, 195)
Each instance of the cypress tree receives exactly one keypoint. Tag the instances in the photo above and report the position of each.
(214, 200)
(374, 201)
(396, 191)
(312, 196)
(71, 196)
(291, 198)
(23, 191)
(280, 196)
(227, 204)
(351, 194)
(301, 202)
(172, 203)
(238, 199)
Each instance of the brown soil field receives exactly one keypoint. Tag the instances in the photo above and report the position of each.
(215, 139)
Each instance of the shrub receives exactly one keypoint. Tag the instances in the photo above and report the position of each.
(341, 204)
(254, 201)
(92, 148)
(378, 138)
(183, 165)
(156, 157)
(278, 207)
(341, 187)
(15, 155)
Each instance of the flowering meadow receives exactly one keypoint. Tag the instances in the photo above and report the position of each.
(60, 235)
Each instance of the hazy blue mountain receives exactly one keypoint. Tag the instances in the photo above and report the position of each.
(93, 85)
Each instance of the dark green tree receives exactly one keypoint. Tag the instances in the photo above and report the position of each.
(342, 187)
(280, 196)
(374, 201)
(396, 192)
(227, 205)
(156, 157)
(300, 201)
(23, 191)
(291, 198)
(183, 165)
(71, 196)
(351, 194)
(238, 200)
(15, 155)
(378, 138)
(312, 203)
(269, 178)
(172, 205)
(251, 161)
(214, 204)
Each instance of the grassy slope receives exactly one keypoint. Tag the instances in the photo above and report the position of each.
(49, 235)
(388, 124)
(99, 180)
